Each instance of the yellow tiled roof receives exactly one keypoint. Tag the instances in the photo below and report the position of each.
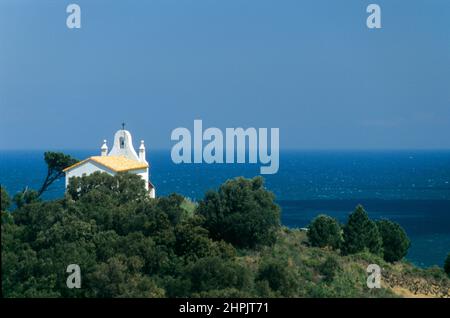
(115, 163)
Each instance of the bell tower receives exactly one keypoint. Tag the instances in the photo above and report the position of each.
(123, 145)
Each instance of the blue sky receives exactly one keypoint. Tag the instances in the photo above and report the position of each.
(311, 68)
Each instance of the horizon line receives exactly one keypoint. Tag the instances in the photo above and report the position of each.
(285, 149)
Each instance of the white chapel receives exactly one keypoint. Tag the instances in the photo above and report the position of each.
(121, 158)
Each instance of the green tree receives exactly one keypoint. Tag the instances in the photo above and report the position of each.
(215, 273)
(128, 245)
(121, 188)
(242, 213)
(330, 268)
(56, 162)
(5, 201)
(192, 240)
(279, 276)
(325, 231)
(447, 264)
(361, 233)
(25, 196)
(395, 241)
(172, 206)
(121, 277)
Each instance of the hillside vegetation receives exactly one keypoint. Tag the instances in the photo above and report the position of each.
(230, 244)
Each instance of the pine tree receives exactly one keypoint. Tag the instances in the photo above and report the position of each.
(395, 241)
(361, 233)
(325, 231)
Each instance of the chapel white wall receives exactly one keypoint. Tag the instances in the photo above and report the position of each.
(86, 168)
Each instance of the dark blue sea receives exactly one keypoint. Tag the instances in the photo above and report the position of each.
(409, 187)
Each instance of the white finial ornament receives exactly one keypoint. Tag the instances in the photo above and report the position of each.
(104, 148)
(142, 152)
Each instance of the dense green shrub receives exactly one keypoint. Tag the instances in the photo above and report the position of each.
(26, 196)
(123, 241)
(330, 268)
(128, 245)
(223, 293)
(280, 277)
(215, 273)
(361, 233)
(242, 213)
(122, 188)
(395, 241)
(325, 231)
(5, 201)
(121, 276)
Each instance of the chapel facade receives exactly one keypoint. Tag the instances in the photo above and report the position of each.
(121, 158)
